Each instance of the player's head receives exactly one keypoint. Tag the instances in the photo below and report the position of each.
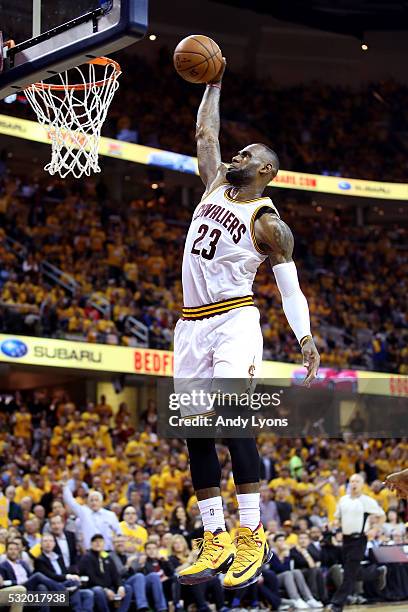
(255, 164)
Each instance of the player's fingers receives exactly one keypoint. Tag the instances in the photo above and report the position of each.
(312, 370)
(306, 358)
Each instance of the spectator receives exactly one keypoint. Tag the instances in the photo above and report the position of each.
(140, 485)
(137, 585)
(180, 522)
(65, 543)
(16, 571)
(32, 533)
(136, 535)
(52, 565)
(93, 517)
(103, 577)
(18, 590)
(291, 579)
(269, 510)
(310, 568)
(393, 526)
(284, 508)
(14, 511)
(180, 557)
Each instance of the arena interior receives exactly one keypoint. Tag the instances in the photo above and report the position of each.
(90, 292)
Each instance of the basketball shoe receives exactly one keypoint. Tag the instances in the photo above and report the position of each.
(216, 553)
(252, 552)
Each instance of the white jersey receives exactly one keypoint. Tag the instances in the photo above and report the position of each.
(221, 255)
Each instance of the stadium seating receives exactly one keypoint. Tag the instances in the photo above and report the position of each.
(70, 270)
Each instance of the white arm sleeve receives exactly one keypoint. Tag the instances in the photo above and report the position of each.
(293, 301)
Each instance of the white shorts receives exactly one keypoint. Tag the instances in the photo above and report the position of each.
(225, 346)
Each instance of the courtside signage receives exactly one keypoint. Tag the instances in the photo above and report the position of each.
(31, 130)
(84, 356)
(48, 352)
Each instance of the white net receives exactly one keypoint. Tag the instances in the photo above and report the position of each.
(74, 114)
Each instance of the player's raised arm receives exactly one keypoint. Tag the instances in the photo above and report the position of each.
(207, 133)
(276, 239)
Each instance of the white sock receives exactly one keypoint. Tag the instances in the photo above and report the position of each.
(249, 511)
(212, 513)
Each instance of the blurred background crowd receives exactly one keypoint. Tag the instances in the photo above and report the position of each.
(108, 489)
(317, 128)
(77, 265)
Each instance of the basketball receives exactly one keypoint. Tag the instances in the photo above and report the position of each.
(197, 59)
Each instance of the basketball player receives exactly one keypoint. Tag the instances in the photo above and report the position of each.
(398, 482)
(233, 230)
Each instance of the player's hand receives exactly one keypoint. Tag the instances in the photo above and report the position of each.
(398, 482)
(311, 361)
(218, 78)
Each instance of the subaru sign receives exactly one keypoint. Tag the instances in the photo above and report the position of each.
(14, 348)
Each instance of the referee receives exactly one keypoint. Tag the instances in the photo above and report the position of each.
(352, 511)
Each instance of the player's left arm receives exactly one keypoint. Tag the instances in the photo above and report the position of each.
(276, 239)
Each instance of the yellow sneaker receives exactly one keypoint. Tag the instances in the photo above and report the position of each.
(252, 552)
(216, 553)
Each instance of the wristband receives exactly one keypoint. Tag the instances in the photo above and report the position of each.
(217, 85)
(305, 339)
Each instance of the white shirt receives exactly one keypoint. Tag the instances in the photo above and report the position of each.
(63, 545)
(351, 510)
(103, 521)
(53, 557)
(21, 574)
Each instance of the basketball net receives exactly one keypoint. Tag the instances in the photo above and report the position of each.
(74, 114)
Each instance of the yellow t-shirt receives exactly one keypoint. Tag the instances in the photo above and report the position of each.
(137, 537)
(22, 427)
(4, 522)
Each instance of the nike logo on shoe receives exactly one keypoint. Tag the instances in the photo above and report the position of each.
(214, 562)
(244, 571)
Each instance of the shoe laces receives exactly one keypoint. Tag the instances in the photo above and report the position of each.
(205, 547)
(247, 546)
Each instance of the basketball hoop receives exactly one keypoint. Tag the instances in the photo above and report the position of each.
(74, 114)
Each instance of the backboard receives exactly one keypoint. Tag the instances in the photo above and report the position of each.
(54, 35)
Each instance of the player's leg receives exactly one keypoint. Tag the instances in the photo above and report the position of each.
(216, 550)
(252, 546)
(238, 355)
(193, 367)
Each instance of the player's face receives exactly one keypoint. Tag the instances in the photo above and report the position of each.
(243, 168)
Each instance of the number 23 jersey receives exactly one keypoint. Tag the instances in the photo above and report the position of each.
(221, 255)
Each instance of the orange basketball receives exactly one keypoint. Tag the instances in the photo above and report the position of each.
(197, 59)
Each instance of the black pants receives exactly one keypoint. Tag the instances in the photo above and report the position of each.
(353, 554)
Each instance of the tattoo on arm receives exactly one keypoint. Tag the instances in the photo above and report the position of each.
(275, 238)
(207, 132)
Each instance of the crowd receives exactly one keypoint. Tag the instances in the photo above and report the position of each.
(314, 127)
(355, 278)
(104, 511)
